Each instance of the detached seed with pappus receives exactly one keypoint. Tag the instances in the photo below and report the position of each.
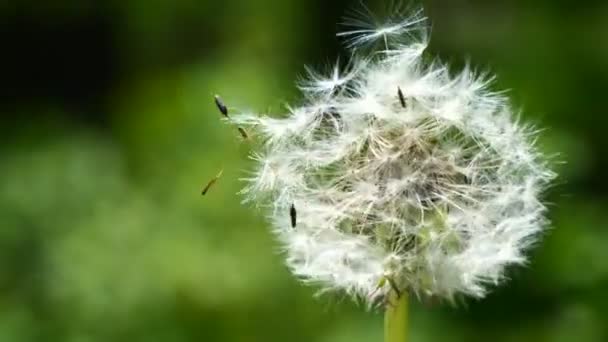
(211, 182)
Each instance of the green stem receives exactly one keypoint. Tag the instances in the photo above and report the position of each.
(395, 318)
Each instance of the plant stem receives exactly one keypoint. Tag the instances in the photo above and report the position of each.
(396, 318)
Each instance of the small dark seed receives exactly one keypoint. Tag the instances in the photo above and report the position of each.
(401, 97)
(243, 133)
(211, 182)
(220, 105)
(292, 213)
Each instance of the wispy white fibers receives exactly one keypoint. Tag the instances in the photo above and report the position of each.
(400, 171)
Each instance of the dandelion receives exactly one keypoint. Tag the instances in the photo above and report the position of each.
(366, 28)
(407, 179)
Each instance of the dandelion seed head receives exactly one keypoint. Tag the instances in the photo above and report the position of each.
(399, 170)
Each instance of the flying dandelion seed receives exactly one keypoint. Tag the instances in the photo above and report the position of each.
(367, 29)
(220, 105)
(212, 182)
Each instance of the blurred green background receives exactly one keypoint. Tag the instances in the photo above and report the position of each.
(108, 132)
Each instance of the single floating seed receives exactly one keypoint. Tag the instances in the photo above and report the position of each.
(292, 213)
(401, 97)
(211, 182)
(220, 105)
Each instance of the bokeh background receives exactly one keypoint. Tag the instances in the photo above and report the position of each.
(108, 132)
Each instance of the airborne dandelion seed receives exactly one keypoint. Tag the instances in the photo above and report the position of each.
(211, 182)
(220, 105)
(434, 194)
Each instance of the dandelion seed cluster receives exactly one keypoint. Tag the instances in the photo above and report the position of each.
(400, 171)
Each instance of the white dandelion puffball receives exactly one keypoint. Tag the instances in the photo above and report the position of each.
(398, 175)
